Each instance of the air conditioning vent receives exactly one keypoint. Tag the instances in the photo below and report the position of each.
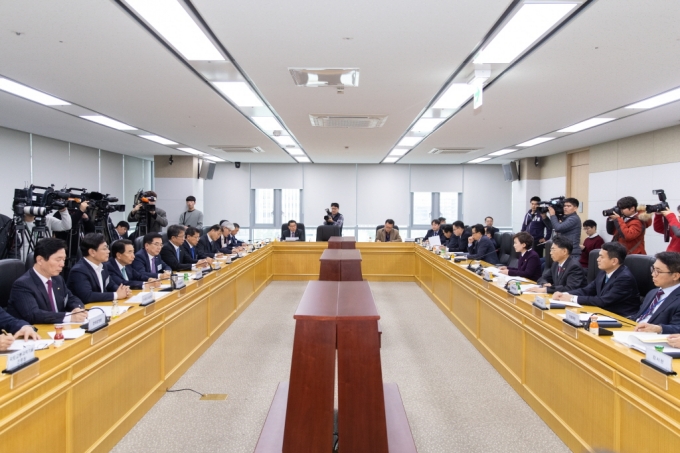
(328, 77)
(348, 121)
(452, 150)
(237, 149)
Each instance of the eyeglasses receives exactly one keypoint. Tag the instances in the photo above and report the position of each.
(157, 244)
(656, 271)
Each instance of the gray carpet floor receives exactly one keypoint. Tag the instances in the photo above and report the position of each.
(454, 399)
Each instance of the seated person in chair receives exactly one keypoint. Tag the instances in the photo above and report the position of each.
(174, 255)
(292, 231)
(614, 288)
(208, 244)
(232, 237)
(89, 280)
(192, 236)
(119, 266)
(147, 261)
(529, 263)
(565, 274)
(436, 230)
(40, 296)
(660, 311)
(388, 233)
(481, 247)
(459, 241)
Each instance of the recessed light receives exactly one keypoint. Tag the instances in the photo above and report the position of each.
(661, 99)
(503, 152)
(478, 160)
(409, 141)
(267, 123)
(284, 140)
(587, 124)
(295, 151)
(398, 152)
(239, 93)
(105, 121)
(454, 96)
(213, 158)
(158, 139)
(531, 22)
(195, 152)
(536, 141)
(174, 23)
(29, 93)
(426, 124)
(390, 160)
(302, 159)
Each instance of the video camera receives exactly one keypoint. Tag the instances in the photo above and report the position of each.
(662, 206)
(28, 201)
(143, 200)
(556, 203)
(104, 203)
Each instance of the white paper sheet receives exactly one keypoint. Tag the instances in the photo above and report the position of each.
(38, 344)
(69, 334)
(107, 309)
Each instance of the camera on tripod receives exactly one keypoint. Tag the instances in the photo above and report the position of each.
(662, 206)
(28, 201)
(103, 203)
(145, 201)
(556, 203)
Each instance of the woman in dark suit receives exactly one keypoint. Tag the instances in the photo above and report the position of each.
(529, 263)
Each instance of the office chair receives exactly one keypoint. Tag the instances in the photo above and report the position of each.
(639, 266)
(505, 249)
(300, 227)
(10, 270)
(325, 232)
(30, 260)
(139, 243)
(592, 265)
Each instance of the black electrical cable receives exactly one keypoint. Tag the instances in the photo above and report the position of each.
(184, 390)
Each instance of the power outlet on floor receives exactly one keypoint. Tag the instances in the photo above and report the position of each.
(214, 397)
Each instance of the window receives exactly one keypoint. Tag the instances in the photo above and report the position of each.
(426, 206)
(422, 208)
(271, 209)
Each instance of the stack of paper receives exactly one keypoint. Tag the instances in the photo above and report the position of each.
(640, 341)
(107, 309)
(38, 344)
(571, 304)
(137, 299)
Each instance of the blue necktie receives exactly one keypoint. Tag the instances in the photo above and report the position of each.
(178, 254)
(192, 254)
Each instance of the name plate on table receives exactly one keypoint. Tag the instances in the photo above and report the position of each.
(20, 359)
(659, 361)
(486, 275)
(572, 319)
(539, 302)
(96, 320)
(198, 275)
(146, 299)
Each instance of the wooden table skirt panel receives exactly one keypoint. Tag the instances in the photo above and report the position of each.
(340, 265)
(587, 389)
(342, 242)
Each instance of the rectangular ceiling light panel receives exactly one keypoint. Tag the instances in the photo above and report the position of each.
(295, 151)
(214, 159)
(531, 22)
(661, 99)
(390, 160)
(105, 121)
(239, 93)
(455, 96)
(302, 159)
(587, 124)
(29, 93)
(503, 152)
(409, 141)
(267, 123)
(536, 141)
(315, 78)
(285, 140)
(195, 152)
(174, 23)
(158, 139)
(479, 160)
(426, 124)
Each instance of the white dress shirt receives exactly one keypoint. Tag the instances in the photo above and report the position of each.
(666, 292)
(67, 316)
(98, 268)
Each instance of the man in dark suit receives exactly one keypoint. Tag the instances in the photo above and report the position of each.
(191, 238)
(88, 279)
(121, 231)
(119, 266)
(435, 231)
(232, 237)
(223, 243)
(17, 328)
(613, 289)
(460, 239)
(481, 247)
(40, 296)
(660, 311)
(207, 246)
(565, 274)
(174, 255)
(147, 261)
(488, 224)
(293, 232)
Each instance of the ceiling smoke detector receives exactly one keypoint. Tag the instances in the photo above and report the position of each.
(315, 78)
(347, 121)
(452, 150)
(237, 149)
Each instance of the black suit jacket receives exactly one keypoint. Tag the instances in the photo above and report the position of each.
(206, 248)
(84, 284)
(135, 279)
(298, 234)
(10, 323)
(29, 301)
(186, 247)
(619, 295)
(223, 245)
(169, 256)
(667, 315)
(439, 233)
(143, 266)
(573, 277)
(459, 244)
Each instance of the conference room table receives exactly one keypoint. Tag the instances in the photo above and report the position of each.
(591, 391)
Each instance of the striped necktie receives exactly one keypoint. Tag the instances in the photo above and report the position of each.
(652, 306)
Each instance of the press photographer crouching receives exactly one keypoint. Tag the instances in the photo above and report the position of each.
(149, 218)
(627, 225)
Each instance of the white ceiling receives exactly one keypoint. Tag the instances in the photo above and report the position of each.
(95, 55)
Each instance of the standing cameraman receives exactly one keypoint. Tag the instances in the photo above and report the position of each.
(535, 225)
(673, 226)
(334, 217)
(156, 218)
(569, 226)
(628, 227)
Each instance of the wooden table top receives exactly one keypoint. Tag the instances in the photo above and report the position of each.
(341, 254)
(333, 300)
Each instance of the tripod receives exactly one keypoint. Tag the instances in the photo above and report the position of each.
(23, 239)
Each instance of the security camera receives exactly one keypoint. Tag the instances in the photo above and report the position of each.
(171, 160)
(237, 164)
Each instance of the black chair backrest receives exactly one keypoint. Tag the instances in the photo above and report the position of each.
(592, 264)
(164, 237)
(10, 270)
(505, 249)
(205, 230)
(300, 227)
(639, 266)
(548, 258)
(396, 227)
(497, 237)
(30, 261)
(139, 243)
(325, 232)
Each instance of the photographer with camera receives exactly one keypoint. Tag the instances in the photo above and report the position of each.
(333, 216)
(534, 223)
(146, 213)
(567, 223)
(673, 227)
(627, 225)
(52, 224)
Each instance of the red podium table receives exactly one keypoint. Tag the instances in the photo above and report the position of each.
(342, 242)
(340, 265)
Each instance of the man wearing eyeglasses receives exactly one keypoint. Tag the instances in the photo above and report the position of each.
(660, 312)
(147, 261)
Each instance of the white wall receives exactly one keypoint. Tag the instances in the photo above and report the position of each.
(606, 187)
(486, 193)
(522, 191)
(552, 188)
(227, 195)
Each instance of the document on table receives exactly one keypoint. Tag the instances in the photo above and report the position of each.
(69, 334)
(568, 304)
(137, 299)
(107, 309)
(640, 341)
(583, 317)
(435, 240)
(20, 344)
